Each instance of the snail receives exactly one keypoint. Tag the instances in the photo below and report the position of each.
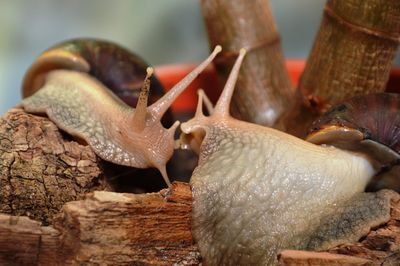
(85, 108)
(257, 190)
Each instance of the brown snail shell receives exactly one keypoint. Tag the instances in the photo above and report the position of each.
(370, 123)
(117, 68)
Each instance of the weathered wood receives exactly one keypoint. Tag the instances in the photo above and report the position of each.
(40, 169)
(154, 229)
(107, 228)
(263, 89)
(299, 257)
(115, 228)
(25, 242)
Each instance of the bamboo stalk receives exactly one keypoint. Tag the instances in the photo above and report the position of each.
(263, 90)
(352, 54)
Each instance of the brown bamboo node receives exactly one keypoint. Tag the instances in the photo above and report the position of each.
(314, 104)
(357, 28)
(317, 104)
(251, 47)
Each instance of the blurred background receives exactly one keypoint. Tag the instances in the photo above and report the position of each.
(160, 31)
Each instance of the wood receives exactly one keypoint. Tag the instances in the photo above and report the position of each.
(263, 89)
(114, 228)
(40, 169)
(299, 257)
(154, 229)
(107, 228)
(25, 242)
(352, 55)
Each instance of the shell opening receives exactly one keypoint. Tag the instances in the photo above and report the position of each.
(48, 61)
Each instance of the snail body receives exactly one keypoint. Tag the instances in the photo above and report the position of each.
(85, 108)
(257, 190)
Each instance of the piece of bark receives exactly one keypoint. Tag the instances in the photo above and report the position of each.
(154, 229)
(114, 228)
(107, 228)
(263, 89)
(40, 169)
(352, 54)
(25, 242)
(299, 257)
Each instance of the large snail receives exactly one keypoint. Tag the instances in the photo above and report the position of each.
(84, 107)
(257, 190)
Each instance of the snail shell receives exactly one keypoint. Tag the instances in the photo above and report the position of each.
(376, 117)
(117, 68)
(368, 123)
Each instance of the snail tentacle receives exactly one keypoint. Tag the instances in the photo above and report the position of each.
(139, 118)
(206, 101)
(223, 104)
(161, 106)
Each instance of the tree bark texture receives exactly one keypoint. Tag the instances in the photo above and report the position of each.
(107, 228)
(352, 55)
(40, 170)
(110, 228)
(263, 90)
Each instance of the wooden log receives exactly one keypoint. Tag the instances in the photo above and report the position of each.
(25, 242)
(154, 229)
(299, 257)
(107, 228)
(41, 169)
(115, 228)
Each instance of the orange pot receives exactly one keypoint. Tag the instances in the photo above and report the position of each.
(169, 75)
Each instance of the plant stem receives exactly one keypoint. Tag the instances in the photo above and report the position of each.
(352, 54)
(263, 89)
